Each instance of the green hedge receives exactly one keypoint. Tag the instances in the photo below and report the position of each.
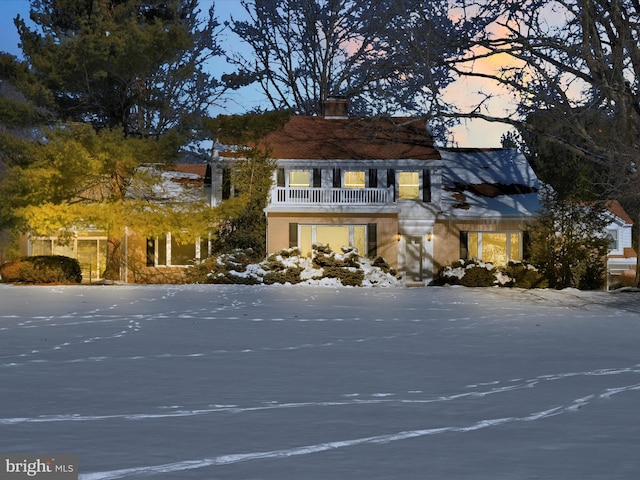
(43, 269)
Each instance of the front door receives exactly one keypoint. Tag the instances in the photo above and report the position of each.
(414, 259)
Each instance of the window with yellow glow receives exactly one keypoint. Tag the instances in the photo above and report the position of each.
(335, 236)
(354, 180)
(299, 179)
(497, 248)
(90, 249)
(409, 185)
(168, 251)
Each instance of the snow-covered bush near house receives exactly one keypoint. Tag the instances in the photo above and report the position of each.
(289, 266)
(475, 273)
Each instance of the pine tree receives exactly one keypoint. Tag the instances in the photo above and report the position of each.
(134, 65)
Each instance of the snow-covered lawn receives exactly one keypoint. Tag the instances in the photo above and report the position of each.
(274, 382)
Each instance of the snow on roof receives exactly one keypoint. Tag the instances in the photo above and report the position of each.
(488, 183)
(183, 183)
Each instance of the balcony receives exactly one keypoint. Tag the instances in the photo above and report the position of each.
(332, 196)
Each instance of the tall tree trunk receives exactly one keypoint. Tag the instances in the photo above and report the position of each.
(114, 259)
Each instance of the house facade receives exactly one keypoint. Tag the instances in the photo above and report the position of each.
(381, 185)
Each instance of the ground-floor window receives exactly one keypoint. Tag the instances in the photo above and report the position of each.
(90, 249)
(166, 251)
(498, 248)
(336, 236)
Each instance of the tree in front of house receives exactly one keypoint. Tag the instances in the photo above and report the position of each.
(569, 243)
(82, 179)
(242, 223)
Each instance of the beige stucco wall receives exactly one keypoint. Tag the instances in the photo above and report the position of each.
(446, 236)
(387, 230)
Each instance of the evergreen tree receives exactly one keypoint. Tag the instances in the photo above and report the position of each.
(569, 243)
(242, 220)
(24, 107)
(134, 65)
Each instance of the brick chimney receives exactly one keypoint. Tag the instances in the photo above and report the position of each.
(335, 108)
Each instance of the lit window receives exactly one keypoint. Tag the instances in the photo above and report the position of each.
(299, 179)
(167, 251)
(88, 247)
(409, 185)
(354, 180)
(335, 236)
(497, 248)
(41, 247)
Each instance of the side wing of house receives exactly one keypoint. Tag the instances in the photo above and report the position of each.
(160, 259)
(488, 198)
(164, 258)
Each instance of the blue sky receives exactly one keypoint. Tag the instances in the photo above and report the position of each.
(9, 9)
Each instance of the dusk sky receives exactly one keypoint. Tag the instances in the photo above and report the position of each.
(473, 134)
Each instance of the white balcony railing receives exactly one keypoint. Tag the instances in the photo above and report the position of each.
(344, 196)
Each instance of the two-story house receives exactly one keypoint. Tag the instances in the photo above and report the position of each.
(380, 185)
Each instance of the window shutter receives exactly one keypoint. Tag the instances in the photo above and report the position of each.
(151, 252)
(373, 178)
(280, 181)
(337, 181)
(293, 235)
(426, 186)
(526, 245)
(372, 240)
(391, 181)
(317, 178)
(391, 177)
(464, 245)
(226, 183)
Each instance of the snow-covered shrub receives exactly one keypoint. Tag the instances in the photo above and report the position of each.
(283, 268)
(382, 264)
(483, 275)
(523, 275)
(470, 273)
(290, 267)
(226, 268)
(474, 273)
